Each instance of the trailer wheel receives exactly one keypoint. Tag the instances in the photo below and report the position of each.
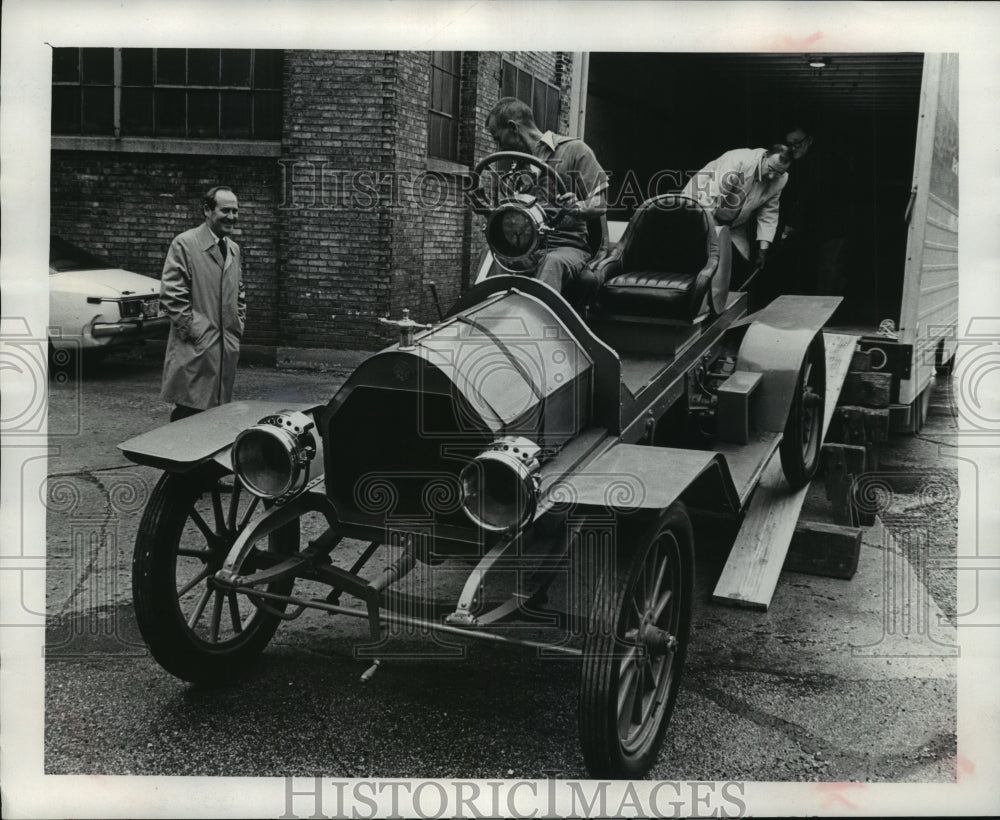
(943, 363)
(803, 436)
(635, 646)
(195, 630)
(918, 410)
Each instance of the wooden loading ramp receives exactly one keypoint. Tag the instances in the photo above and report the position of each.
(751, 572)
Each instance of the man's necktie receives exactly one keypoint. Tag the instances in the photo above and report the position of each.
(222, 250)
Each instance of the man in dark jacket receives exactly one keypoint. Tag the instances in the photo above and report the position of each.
(202, 291)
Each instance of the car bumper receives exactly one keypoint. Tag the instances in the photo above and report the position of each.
(133, 329)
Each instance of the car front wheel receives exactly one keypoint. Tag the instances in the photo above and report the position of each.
(635, 645)
(195, 629)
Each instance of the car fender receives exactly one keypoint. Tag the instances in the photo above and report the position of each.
(774, 344)
(182, 445)
(631, 478)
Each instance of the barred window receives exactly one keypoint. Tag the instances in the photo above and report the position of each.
(543, 97)
(442, 114)
(167, 92)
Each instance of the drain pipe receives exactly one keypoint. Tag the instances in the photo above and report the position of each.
(578, 93)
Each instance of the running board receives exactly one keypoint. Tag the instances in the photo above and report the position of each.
(751, 572)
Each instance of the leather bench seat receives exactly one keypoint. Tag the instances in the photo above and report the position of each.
(668, 263)
(647, 293)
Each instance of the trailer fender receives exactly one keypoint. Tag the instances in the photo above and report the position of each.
(774, 344)
(183, 445)
(633, 477)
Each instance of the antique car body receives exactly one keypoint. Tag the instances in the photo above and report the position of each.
(94, 307)
(513, 438)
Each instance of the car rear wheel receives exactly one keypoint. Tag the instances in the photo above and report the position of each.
(194, 629)
(635, 646)
(803, 436)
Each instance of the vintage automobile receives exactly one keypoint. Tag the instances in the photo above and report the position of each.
(554, 458)
(95, 307)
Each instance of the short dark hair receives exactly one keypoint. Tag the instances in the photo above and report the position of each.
(782, 151)
(208, 201)
(511, 108)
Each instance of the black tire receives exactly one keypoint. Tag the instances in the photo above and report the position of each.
(194, 630)
(919, 409)
(943, 366)
(621, 734)
(803, 436)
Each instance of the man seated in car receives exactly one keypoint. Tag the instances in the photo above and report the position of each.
(561, 260)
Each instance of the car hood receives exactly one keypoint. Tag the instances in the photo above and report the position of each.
(105, 282)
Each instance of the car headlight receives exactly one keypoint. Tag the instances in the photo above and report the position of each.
(272, 458)
(130, 308)
(500, 485)
(514, 230)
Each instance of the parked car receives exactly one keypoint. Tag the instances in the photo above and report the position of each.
(95, 307)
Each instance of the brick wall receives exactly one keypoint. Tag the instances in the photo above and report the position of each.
(335, 240)
(411, 96)
(127, 208)
(563, 78)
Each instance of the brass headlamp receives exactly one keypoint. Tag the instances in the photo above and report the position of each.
(500, 485)
(272, 458)
(515, 229)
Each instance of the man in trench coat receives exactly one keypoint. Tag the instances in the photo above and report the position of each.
(202, 291)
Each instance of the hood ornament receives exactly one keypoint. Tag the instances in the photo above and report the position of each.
(407, 329)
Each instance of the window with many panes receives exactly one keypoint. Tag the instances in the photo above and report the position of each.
(442, 115)
(543, 97)
(205, 93)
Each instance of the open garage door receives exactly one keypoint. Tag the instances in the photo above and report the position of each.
(655, 118)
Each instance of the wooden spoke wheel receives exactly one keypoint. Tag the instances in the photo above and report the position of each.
(635, 646)
(194, 629)
(803, 436)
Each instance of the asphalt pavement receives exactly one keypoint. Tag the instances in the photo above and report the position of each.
(838, 681)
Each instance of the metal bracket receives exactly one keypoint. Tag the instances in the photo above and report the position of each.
(534, 587)
(272, 519)
(462, 616)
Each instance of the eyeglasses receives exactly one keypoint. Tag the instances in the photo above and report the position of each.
(796, 143)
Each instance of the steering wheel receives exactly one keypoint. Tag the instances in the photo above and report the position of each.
(518, 214)
(514, 179)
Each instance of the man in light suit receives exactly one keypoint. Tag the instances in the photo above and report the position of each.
(202, 291)
(742, 189)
